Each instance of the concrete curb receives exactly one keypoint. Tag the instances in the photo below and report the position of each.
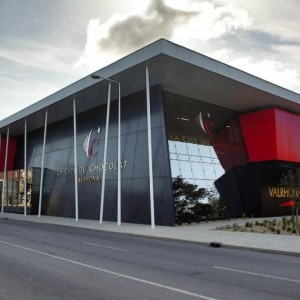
(214, 243)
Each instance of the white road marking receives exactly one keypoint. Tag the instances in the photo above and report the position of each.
(36, 233)
(258, 274)
(119, 275)
(102, 246)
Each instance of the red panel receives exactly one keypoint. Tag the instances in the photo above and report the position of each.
(259, 135)
(271, 134)
(229, 146)
(11, 153)
(288, 136)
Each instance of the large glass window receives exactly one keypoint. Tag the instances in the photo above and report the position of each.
(14, 195)
(199, 165)
(204, 140)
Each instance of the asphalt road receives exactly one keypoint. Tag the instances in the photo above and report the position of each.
(39, 261)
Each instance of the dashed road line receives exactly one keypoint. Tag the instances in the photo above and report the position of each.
(119, 275)
(107, 247)
(257, 274)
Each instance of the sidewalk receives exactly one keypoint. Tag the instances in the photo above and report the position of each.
(203, 233)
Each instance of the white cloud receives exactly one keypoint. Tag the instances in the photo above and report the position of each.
(19, 95)
(275, 17)
(38, 55)
(200, 25)
(212, 22)
(180, 21)
(270, 70)
(20, 89)
(93, 58)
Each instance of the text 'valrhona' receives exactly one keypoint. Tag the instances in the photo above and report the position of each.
(284, 192)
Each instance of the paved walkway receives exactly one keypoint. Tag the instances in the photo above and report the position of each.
(203, 233)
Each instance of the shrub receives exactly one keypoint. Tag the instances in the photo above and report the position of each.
(284, 220)
(202, 211)
(235, 226)
(271, 227)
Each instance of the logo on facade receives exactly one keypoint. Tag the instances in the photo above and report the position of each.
(90, 142)
(206, 123)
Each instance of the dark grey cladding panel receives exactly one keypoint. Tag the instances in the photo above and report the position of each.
(35, 143)
(58, 195)
(89, 195)
(227, 186)
(130, 117)
(128, 153)
(141, 154)
(140, 168)
(34, 162)
(60, 135)
(164, 208)
(157, 111)
(135, 201)
(52, 204)
(19, 156)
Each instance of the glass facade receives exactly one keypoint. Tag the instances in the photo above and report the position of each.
(204, 140)
(195, 163)
(14, 196)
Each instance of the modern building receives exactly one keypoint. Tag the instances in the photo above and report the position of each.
(107, 146)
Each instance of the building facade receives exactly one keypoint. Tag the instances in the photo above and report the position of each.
(108, 146)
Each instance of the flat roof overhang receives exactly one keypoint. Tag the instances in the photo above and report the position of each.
(179, 70)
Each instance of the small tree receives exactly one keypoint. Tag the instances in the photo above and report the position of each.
(291, 179)
(218, 208)
(186, 198)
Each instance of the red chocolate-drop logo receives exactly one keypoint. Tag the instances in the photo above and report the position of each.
(90, 142)
(206, 123)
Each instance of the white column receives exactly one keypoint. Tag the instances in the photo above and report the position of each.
(42, 164)
(150, 149)
(105, 153)
(75, 159)
(119, 158)
(5, 172)
(25, 167)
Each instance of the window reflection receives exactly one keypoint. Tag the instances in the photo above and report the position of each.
(204, 140)
(193, 166)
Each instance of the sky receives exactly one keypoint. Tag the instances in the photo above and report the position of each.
(47, 45)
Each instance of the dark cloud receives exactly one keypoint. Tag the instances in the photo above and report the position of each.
(256, 43)
(159, 21)
(163, 21)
